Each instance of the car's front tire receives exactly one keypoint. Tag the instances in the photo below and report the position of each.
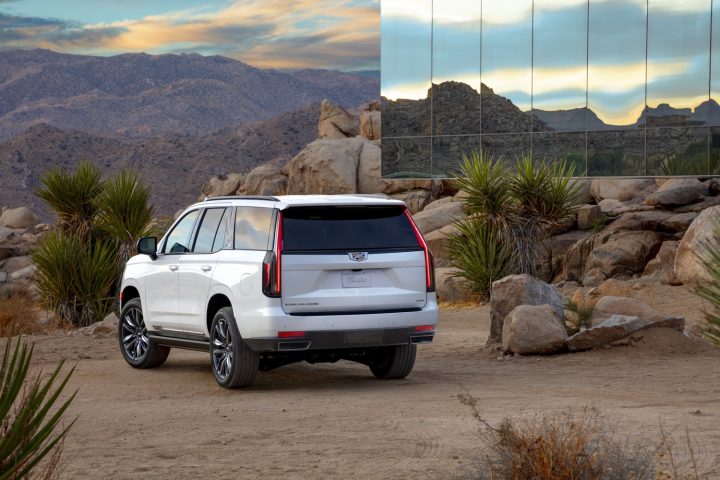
(233, 363)
(393, 362)
(137, 349)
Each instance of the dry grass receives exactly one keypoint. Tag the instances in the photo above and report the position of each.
(18, 313)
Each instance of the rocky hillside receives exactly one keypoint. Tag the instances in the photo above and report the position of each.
(171, 164)
(149, 95)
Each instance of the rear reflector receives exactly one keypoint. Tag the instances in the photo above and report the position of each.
(290, 334)
(425, 328)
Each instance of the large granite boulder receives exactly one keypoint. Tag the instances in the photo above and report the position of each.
(450, 287)
(588, 216)
(415, 200)
(703, 230)
(436, 241)
(326, 166)
(662, 267)
(678, 191)
(609, 330)
(533, 330)
(336, 122)
(267, 179)
(20, 217)
(432, 219)
(514, 290)
(623, 254)
(634, 307)
(222, 185)
(621, 190)
(370, 125)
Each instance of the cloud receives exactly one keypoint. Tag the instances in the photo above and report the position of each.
(265, 33)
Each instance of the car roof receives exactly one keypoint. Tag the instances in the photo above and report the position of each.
(284, 201)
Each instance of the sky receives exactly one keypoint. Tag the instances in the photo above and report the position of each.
(543, 54)
(336, 34)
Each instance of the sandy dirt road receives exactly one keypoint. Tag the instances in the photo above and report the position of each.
(336, 421)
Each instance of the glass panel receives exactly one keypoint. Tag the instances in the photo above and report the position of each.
(252, 228)
(456, 67)
(208, 230)
(448, 153)
(714, 151)
(616, 63)
(616, 153)
(677, 151)
(506, 66)
(561, 146)
(677, 63)
(406, 48)
(508, 147)
(712, 115)
(560, 64)
(406, 157)
(178, 241)
(224, 237)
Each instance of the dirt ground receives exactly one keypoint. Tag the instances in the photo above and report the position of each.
(336, 421)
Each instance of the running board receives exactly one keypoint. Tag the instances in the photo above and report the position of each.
(188, 342)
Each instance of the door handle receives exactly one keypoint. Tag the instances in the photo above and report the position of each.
(206, 268)
(173, 268)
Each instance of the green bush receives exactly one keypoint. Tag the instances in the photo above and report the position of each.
(79, 266)
(29, 416)
(514, 211)
(710, 257)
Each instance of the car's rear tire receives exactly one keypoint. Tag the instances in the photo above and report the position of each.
(137, 349)
(233, 363)
(393, 362)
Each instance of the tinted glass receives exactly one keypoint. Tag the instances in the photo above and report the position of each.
(208, 230)
(346, 229)
(178, 241)
(223, 239)
(713, 114)
(252, 228)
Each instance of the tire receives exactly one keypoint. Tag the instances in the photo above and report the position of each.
(394, 362)
(233, 363)
(137, 349)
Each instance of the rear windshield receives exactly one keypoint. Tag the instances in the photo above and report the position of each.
(307, 229)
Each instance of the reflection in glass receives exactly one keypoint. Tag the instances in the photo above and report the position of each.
(570, 147)
(506, 65)
(677, 151)
(616, 153)
(678, 59)
(712, 116)
(714, 151)
(456, 68)
(616, 62)
(406, 157)
(560, 63)
(405, 61)
(448, 153)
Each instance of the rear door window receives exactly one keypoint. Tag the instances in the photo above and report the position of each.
(252, 228)
(308, 229)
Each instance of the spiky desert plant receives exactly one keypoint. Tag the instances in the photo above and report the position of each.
(710, 291)
(30, 415)
(73, 197)
(125, 212)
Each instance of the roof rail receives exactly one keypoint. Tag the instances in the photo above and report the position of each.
(242, 197)
(368, 195)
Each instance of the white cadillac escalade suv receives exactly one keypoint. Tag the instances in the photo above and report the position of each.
(261, 282)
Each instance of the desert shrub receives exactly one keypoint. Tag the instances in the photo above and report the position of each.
(30, 413)
(17, 313)
(564, 446)
(578, 315)
(710, 291)
(79, 266)
(518, 208)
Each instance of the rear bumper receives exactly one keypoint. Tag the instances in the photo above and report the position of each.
(339, 339)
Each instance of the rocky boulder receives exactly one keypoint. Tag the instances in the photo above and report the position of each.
(450, 287)
(588, 216)
(623, 254)
(20, 217)
(703, 230)
(370, 125)
(514, 290)
(634, 307)
(609, 330)
(267, 179)
(621, 190)
(222, 185)
(415, 200)
(436, 242)
(336, 122)
(662, 267)
(678, 191)
(533, 329)
(438, 217)
(326, 166)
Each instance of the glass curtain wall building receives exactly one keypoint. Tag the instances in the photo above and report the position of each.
(617, 87)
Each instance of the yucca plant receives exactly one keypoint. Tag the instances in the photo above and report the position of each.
(710, 258)
(30, 415)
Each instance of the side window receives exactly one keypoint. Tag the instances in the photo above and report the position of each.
(208, 230)
(178, 241)
(252, 228)
(224, 237)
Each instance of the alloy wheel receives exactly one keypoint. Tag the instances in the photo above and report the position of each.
(134, 334)
(222, 351)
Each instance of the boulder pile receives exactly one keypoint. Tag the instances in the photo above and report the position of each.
(19, 232)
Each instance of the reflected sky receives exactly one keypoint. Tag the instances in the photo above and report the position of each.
(609, 57)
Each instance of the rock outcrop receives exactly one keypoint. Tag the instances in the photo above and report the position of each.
(267, 179)
(533, 330)
(702, 231)
(336, 122)
(326, 166)
(20, 217)
(621, 190)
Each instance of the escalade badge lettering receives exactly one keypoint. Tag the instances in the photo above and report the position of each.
(358, 256)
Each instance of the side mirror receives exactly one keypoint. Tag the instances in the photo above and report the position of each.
(147, 246)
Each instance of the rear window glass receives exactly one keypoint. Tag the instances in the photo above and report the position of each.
(346, 229)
